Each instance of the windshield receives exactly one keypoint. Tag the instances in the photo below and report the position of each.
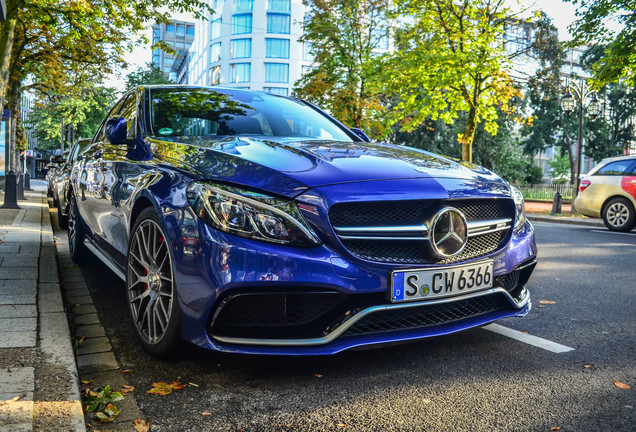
(227, 112)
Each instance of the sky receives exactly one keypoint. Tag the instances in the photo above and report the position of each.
(562, 14)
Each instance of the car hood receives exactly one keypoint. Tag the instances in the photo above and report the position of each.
(289, 167)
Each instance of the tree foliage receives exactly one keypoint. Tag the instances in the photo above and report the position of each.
(449, 59)
(619, 55)
(147, 75)
(343, 35)
(85, 111)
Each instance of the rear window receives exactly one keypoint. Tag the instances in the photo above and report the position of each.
(615, 168)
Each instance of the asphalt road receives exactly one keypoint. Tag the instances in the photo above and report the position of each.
(478, 380)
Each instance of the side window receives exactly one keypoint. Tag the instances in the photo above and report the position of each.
(99, 136)
(615, 168)
(632, 170)
(129, 112)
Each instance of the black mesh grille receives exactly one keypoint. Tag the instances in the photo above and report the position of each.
(508, 281)
(427, 315)
(414, 252)
(276, 309)
(400, 213)
(415, 212)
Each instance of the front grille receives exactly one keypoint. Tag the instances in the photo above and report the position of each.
(418, 212)
(414, 212)
(427, 315)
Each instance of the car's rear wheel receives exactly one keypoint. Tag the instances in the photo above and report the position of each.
(150, 287)
(618, 215)
(79, 252)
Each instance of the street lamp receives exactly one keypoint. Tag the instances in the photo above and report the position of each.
(574, 98)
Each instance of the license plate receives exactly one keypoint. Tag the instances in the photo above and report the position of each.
(412, 285)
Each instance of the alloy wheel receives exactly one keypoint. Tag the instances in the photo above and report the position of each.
(617, 214)
(150, 284)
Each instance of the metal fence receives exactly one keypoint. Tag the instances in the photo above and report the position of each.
(546, 191)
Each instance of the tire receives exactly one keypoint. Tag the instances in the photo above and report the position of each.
(62, 220)
(619, 215)
(150, 288)
(76, 236)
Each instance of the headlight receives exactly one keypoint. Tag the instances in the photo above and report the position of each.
(250, 214)
(520, 218)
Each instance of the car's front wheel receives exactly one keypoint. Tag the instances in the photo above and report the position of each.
(618, 215)
(150, 287)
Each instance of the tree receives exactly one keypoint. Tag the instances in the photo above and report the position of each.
(146, 75)
(449, 59)
(560, 168)
(611, 133)
(85, 112)
(619, 53)
(344, 36)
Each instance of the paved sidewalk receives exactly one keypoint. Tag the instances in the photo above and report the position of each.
(39, 389)
(540, 212)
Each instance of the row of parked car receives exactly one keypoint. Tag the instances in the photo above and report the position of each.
(59, 178)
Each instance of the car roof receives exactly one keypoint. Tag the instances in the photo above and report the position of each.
(618, 158)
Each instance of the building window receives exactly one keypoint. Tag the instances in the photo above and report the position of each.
(277, 23)
(215, 30)
(190, 31)
(279, 6)
(241, 72)
(243, 5)
(169, 28)
(308, 54)
(215, 75)
(277, 48)
(307, 69)
(381, 39)
(283, 91)
(242, 24)
(241, 48)
(277, 73)
(215, 52)
(180, 30)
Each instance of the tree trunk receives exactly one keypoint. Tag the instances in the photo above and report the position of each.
(13, 104)
(7, 30)
(468, 136)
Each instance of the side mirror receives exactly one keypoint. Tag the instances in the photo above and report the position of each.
(116, 130)
(57, 159)
(360, 133)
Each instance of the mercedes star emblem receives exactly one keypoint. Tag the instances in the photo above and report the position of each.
(449, 232)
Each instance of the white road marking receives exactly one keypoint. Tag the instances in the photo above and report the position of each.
(529, 339)
(614, 232)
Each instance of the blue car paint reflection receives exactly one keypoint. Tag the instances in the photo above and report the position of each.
(309, 300)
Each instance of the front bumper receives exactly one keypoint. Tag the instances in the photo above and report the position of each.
(220, 267)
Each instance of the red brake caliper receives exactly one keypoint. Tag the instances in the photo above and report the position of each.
(146, 284)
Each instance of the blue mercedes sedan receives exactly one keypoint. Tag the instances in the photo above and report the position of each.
(246, 222)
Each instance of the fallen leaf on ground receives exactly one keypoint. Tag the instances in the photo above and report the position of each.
(193, 384)
(127, 371)
(318, 376)
(622, 386)
(205, 413)
(555, 429)
(141, 425)
(162, 388)
(125, 388)
(341, 425)
(87, 381)
(547, 302)
(587, 366)
(15, 398)
(109, 415)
